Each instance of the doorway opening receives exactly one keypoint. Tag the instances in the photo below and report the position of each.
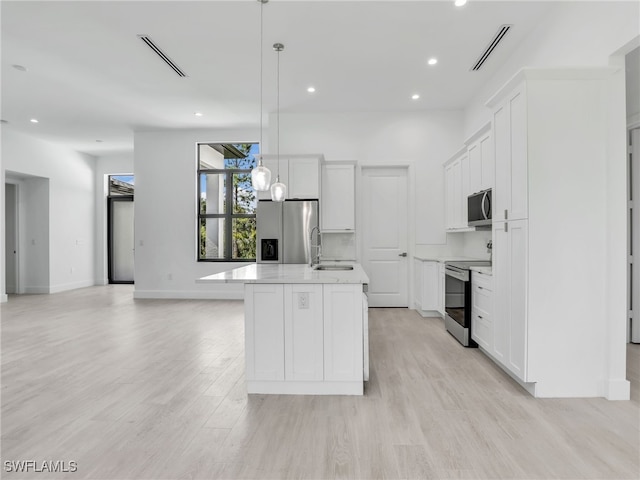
(11, 238)
(120, 229)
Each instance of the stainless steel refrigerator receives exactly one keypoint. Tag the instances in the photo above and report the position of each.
(283, 230)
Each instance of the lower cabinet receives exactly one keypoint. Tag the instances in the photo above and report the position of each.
(441, 290)
(304, 338)
(482, 310)
(428, 288)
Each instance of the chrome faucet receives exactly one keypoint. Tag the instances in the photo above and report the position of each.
(318, 246)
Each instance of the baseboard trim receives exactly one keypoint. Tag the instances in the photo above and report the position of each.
(618, 389)
(31, 290)
(71, 286)
(187, 295)
(4, 298)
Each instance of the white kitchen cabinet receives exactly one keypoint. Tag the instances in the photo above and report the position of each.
(481, 160)
(441, 288)
(343, 344)
(300, 173)
(510, 196)
(264, 331)
(303, 332)
(427, 287)
(550, 168)
(456, 174)
(482, 310)
(338, 199)
(305, 338)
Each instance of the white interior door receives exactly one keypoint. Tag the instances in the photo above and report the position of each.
(384, 235)
(11, 237)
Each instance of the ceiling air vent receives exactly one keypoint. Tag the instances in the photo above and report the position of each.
(502, 31)
(161, 54)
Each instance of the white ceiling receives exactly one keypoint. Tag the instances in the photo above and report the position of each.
(90, 78)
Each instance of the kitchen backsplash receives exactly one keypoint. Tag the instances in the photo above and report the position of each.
(338, 246)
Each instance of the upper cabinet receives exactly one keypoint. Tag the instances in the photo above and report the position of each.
(481, 160)
(456, 184)
(470, 170)
(337, 209)
(300, 173)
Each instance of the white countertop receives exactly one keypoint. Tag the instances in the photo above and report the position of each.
(443, 258)
(485, 270)
(287, 273)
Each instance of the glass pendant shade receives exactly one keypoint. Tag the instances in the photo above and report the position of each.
(261, 178)
(278, 191)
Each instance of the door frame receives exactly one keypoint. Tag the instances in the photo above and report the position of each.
(411, 215)
(111, 199)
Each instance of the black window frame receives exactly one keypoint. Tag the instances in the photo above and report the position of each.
(228, 215)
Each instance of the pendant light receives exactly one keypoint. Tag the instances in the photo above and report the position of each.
(278, 189)
(261, 175)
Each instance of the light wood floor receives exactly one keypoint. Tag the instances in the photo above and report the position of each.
(155, 389)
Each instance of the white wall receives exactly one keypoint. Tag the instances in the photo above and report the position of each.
(66, 179)
(578, 33)
(422, 139)
(166, 212)
(3, 290)
(105, 165)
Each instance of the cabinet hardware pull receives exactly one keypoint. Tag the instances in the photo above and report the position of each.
(479, 317)
(506, 214)
(479, 287)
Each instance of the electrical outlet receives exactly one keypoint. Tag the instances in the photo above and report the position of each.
(303, 300)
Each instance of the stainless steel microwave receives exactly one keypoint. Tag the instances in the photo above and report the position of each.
(479, 209)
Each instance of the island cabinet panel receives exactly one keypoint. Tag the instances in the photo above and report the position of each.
(343, 349)
(303, 331)
(264, 331)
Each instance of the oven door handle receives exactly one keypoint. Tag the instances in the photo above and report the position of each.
(459, 276)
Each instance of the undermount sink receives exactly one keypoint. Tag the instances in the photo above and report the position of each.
(333, 267)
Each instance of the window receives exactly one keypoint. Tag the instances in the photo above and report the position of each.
(121, 185)
(226, 202)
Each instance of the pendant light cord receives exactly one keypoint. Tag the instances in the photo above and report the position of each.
(278, 114)
(261, 86)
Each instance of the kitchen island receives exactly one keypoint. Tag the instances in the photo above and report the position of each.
(305, 329)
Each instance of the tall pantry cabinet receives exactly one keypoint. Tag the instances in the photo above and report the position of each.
(550, 133)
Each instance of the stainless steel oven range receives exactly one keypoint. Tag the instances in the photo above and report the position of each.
(457, 299)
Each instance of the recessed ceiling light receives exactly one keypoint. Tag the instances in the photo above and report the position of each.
(198, 114)
(99, 141)
(311, 89)
(415, 96)
(34, 120)
(460, 3)
(20, 68)
(4, 121)
(432, 61)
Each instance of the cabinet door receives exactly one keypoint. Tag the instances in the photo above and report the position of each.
(430, 286)
(463, 221)
(276, 166)
(518, 254)
(441, 288)
(487, 169)
(264, 331)
(343, 355)
(475, 168)
(303, 332)
(338, 197)
(453, 200)
(519, 173)
(304, 178)
(501, 291)
(502, 154)
(417, 284)
(449, 197)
